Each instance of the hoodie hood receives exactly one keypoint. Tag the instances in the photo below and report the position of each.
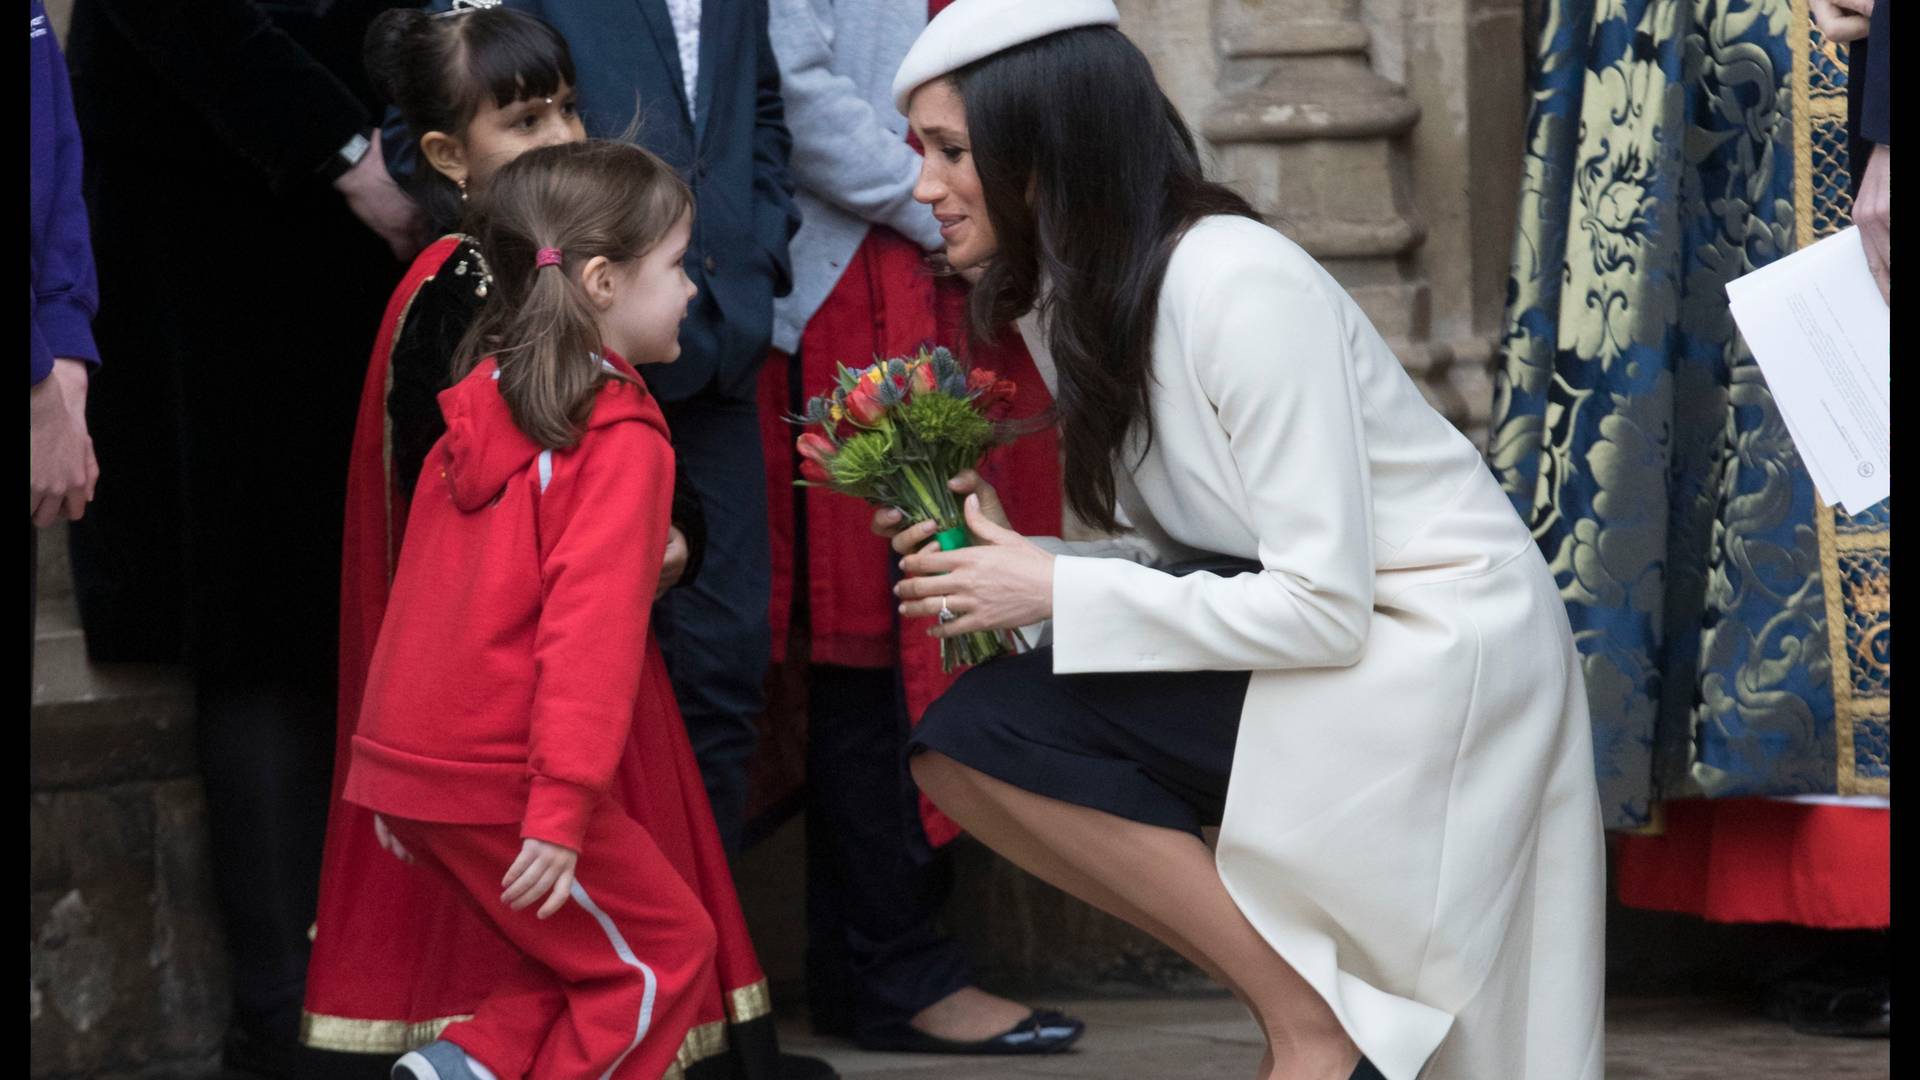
(483, 450)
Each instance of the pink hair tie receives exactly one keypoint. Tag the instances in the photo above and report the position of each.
(547, 257)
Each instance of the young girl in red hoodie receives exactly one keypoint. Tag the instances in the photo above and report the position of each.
(515, 654)
(397, 957)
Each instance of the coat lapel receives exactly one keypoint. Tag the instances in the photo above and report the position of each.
(660, 21)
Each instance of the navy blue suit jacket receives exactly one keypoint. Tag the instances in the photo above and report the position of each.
(733, 154)
(1870, 90)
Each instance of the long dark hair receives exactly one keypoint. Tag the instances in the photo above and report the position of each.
(437, 69)
(593, 198)
(1090, 179)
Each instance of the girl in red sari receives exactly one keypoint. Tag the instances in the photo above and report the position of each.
(398, 957)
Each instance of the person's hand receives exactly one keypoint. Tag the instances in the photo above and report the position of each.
(541, 868)
(61, 469)
(1870, 212)
(389, 842)
(380, 204)
(675, 562)
(892, 524)
(1841, 21)
(1003, 582)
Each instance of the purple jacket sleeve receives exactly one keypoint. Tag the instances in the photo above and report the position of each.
(63, 294)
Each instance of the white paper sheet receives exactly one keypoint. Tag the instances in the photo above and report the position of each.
(1820, 333)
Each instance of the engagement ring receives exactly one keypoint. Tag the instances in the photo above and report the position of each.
(946, 613)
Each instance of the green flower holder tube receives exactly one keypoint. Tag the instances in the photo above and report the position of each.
(979, 646)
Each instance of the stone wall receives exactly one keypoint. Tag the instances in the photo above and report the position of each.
(60, 13)
(125, 961)
(1382, 135)
(1463, 63)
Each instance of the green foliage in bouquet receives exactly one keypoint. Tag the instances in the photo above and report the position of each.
(949, 423)
(865, 465)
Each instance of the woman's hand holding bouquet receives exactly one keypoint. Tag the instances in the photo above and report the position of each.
(898, 433)
(1001, 582)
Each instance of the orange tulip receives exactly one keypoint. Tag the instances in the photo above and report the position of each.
(815, 447)
(921, 379)
(863, 404)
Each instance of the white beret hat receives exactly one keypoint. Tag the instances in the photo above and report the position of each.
(970, 30)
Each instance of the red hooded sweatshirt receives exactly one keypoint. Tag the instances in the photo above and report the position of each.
(504, 680)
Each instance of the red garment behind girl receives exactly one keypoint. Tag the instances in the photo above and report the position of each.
(887, 304)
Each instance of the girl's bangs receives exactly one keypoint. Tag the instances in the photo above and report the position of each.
(517, 61)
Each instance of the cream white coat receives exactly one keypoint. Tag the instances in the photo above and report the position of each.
(1412, 819)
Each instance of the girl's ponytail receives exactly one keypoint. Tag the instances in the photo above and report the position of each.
(548, 374)
(581, 201)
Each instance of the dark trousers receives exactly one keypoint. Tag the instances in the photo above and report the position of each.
(714, 631)
(266, 757)
(874, 888)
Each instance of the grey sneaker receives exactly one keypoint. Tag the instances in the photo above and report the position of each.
(435, 1061)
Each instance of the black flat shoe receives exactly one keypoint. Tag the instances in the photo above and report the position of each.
(801, 1067)
(1366, 1071)
(1860, 1010)
(1042, 1032)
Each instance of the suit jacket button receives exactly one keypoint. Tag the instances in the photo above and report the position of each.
(712, 264)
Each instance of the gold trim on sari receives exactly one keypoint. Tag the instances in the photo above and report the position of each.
(703, 1042)
(358, 1036)
(749, 1002)
(353, 1036)
(1854, 563)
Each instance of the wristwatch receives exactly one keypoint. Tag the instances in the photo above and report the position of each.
(346, 157)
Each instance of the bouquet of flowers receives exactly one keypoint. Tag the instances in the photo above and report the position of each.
(893, 433)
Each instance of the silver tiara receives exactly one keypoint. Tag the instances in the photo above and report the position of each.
(471, 5)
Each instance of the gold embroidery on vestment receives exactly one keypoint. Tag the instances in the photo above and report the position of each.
(1854, 573)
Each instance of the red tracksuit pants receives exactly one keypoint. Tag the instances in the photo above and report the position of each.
(608, 986)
